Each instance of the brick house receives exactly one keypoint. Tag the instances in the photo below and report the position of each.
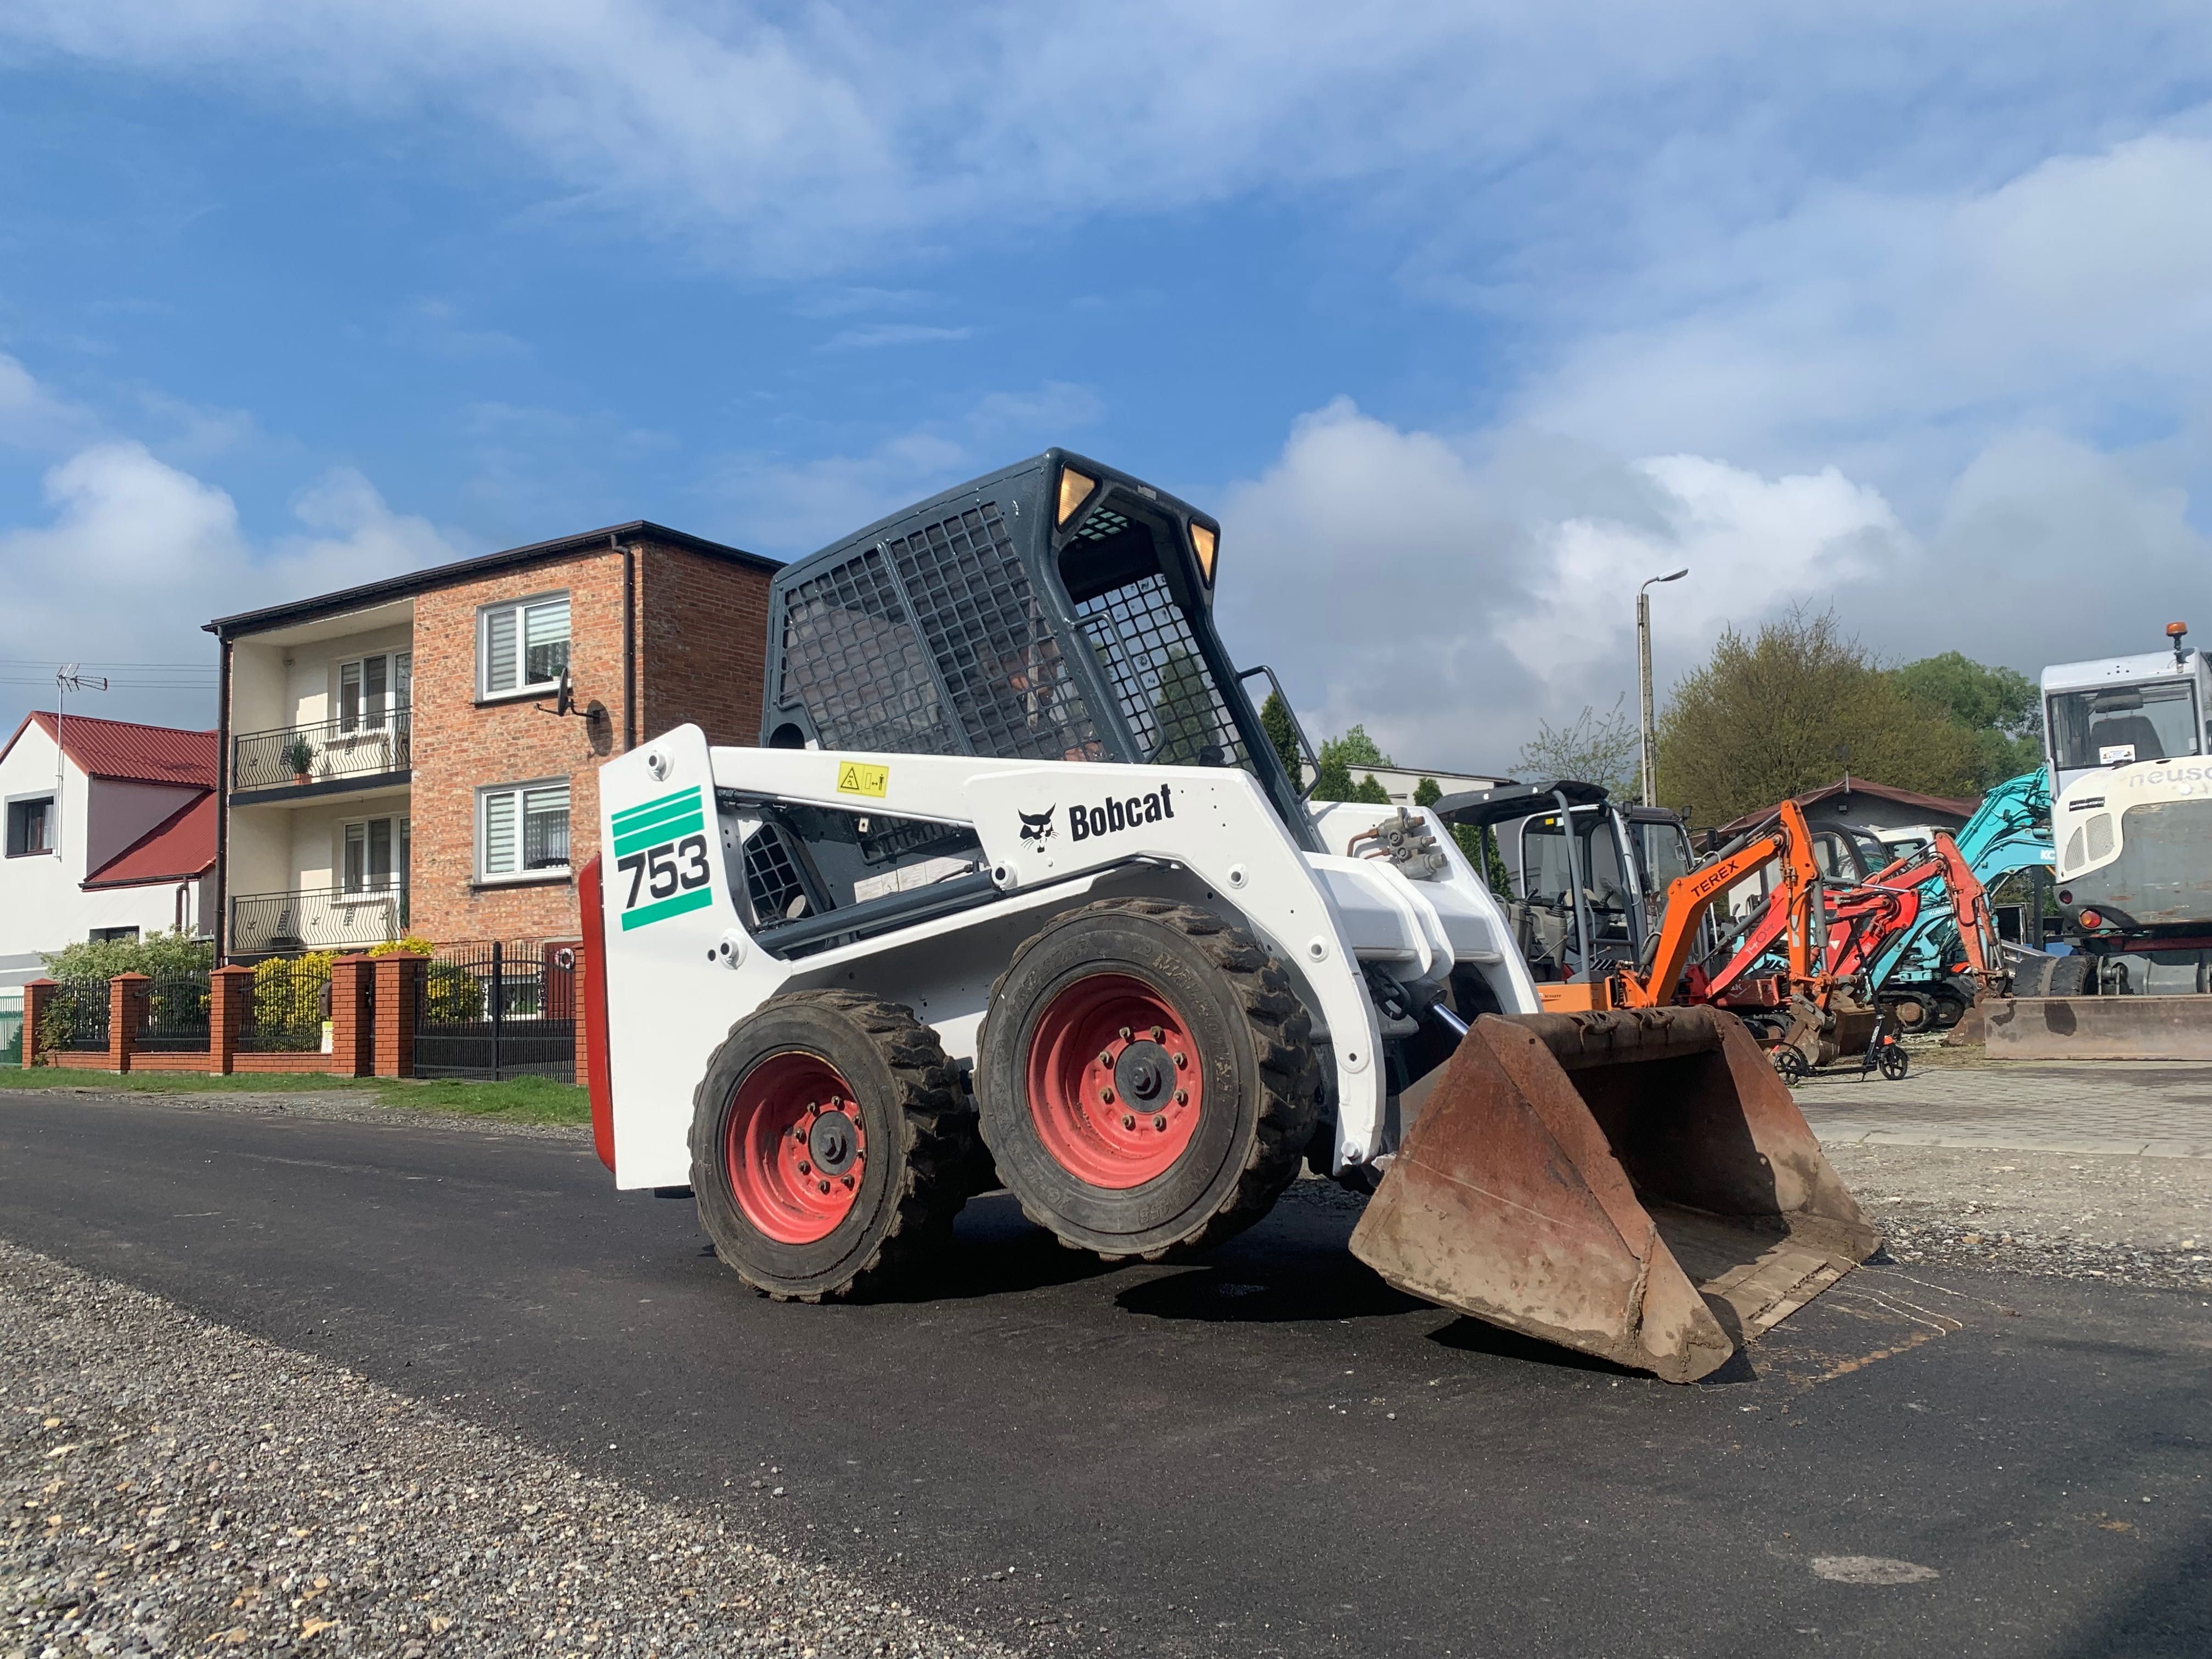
(391, 762)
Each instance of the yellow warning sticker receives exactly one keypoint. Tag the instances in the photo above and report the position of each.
(854, 779)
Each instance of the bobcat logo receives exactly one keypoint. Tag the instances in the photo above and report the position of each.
(1036, 826)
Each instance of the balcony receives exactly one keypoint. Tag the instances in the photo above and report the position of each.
(371, 750)
(316, 919)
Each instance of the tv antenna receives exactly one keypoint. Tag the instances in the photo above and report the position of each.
(71, 677)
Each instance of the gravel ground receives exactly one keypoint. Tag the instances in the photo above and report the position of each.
(333, 1105)
(2144, 1221)
(172, 1486)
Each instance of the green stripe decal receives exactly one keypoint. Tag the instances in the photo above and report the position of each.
(653, 834)
(667, 907)
(668, 806)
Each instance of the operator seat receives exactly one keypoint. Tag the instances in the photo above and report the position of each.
(2127, 729)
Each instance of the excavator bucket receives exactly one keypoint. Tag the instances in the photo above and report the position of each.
(1639, 1185)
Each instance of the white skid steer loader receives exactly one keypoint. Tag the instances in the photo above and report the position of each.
(1016, 890)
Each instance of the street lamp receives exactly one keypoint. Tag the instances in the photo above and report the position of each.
(1643, 675)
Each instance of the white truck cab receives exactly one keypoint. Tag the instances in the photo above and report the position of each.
(2130, 758)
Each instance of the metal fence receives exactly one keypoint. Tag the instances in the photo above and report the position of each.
(316, 919)
(498, 1011)
(11, 1037)
(290, 1002)
(176, 1018)
(291, 755)
(75, 1018)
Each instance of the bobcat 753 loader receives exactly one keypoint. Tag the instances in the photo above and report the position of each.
(1016, 890)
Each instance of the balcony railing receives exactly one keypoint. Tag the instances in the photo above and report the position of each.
(316, 919)
(365, 745)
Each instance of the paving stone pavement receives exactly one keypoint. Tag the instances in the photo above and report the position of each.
(2144, 1108)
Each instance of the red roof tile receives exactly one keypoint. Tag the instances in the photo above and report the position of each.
(129, 753)
(179, 847)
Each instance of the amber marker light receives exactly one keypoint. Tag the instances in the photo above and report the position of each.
(1203, 542)
(1074, 491)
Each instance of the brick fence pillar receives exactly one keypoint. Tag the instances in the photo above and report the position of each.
(36, 996)
(396, 977)
(230, 994)
(126, 1012)
(353, 1032)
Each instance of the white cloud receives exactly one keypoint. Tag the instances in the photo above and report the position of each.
(810, 136)
(33, 417)
(135, 554)
(1449, 590)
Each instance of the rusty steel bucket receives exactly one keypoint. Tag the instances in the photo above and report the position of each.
(1639, 1185)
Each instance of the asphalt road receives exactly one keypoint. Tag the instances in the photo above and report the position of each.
(1269, 1452)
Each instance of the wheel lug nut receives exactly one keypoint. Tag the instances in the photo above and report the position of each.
(1181, 1061)
(1127, 1121)
(1156, 1034)
(849, 1183)
(823, 1185)
(1106, 1095)
(1160, 1123)
(805, 1167)
(1182, 1096)
(1125, 1034)
(1106, 1059)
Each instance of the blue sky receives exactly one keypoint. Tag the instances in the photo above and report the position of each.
(1465, 318)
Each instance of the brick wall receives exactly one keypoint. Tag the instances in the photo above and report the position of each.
(701, 631)
(460, 744)
(703, 638)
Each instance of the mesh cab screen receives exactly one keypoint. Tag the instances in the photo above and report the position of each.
(1176, 712)
(851, 654)
(911, 645)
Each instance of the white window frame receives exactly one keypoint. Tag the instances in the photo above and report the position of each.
(518, 608)
(394, 705)
(485, 793)
(401, 825)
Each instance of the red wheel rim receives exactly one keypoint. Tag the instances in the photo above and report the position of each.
(1111, 1105)
(795, 1147)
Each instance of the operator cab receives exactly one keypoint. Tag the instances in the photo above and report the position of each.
(1606, 883)
(1057, 611)
(2122, 711)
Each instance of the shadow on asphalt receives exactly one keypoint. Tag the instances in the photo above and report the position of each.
(1234, 1294)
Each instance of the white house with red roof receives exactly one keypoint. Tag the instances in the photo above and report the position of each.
(111, 832)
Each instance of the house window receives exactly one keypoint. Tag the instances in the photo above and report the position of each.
(522, 646)
(375, 860)
(368, 687)
(30, 826)
(522, 830)
(113, 936)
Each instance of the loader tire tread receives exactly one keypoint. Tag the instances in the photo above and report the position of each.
(1282, 1039)
(940, 1146)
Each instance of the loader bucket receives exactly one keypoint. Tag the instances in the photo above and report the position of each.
(1639, 1185)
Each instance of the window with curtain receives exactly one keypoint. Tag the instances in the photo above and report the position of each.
(375, 860)
(522, 830)
(370, 687)
(522, 646)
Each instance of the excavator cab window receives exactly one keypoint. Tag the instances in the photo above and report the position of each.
(2119, 726)
(1608, 892)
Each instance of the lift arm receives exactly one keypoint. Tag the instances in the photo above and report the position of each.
(1690, 897)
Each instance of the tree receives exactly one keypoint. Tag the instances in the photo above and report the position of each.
(1183, 711)
(1792, 706)
(1337, 757)
(157, 956)
(1283, 735)
(1427, 792)
(1592, 748)
(2000, 706)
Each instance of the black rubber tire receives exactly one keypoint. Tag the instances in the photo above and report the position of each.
(1895, 1062)
(2069, 976)
(1253, 1034)
(912, 1108)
